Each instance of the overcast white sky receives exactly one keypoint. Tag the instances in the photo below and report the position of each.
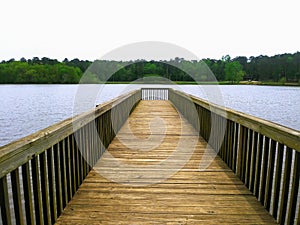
(91, 28)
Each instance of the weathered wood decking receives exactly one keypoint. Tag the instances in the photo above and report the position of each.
(140, 181)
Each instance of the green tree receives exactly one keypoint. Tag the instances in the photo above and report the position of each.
(234, 72)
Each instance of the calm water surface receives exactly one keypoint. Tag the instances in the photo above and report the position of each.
(25, 109)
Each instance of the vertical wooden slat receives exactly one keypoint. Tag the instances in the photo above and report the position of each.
(58, 184)
(258, 165)
(68, 168)
(204, 123)
(26, 177)
(17, 199)
(228, 144)
(240, 153)
(38, 206)
(4, 201)
(81, 150)
(63, 173)
(78, 160)
(91, 146)
(99, 143)
(94, 145)
(297, 217)
(88, 148)
(44, 188)
(73, 164)
(253, 161)
(222, 151)
(230, 147)
(235, 147)
(249, 158)
(52, 183)
(277, 179)
(264, 169)
(285, 186)
(244, 153)
(270, 173)
(293, 195)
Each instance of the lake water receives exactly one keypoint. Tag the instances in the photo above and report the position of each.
(25, 109)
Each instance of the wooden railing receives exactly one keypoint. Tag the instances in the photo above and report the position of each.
(155, 94)
(264, 155)
(40, 173)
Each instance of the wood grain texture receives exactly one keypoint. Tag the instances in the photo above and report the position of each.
(159, 182)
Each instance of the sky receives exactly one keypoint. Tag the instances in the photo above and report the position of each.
(91, 29)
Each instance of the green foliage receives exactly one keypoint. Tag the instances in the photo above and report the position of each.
(234, 71)
(279, 68)
(282, 80)
(38, 72)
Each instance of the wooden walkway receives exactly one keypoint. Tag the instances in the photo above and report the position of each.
(150, 175)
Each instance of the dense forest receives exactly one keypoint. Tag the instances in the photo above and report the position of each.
(279, 68)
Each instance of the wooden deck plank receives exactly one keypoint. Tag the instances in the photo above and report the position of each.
(158, 181)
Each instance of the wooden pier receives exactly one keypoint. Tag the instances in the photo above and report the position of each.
(189, 196)
(146, 158)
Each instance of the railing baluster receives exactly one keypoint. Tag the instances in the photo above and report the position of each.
(245, 152)
(285, 185)
(155, 94)
(293, 194)
(58, 184)
(52, 191)
(62, 150)
(4, 201)
(44, 188)
(264, 169)
(230, 144)
(27, 188)
(68, 168)
(270, 173)
(235, 147)
(258, 166)
(38, 205)
(73, 151)
(277, 179)
(81, 150)
(77, 160)
(248, 158)
(17, 199)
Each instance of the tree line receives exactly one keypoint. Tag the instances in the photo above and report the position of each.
(278, 68)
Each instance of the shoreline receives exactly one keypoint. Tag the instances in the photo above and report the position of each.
(257, 83)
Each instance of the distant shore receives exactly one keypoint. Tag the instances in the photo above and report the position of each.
(266, 83)
(258, 83)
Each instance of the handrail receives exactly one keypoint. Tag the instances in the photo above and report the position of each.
(264, 155)
(45, 169)
(280, 133)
